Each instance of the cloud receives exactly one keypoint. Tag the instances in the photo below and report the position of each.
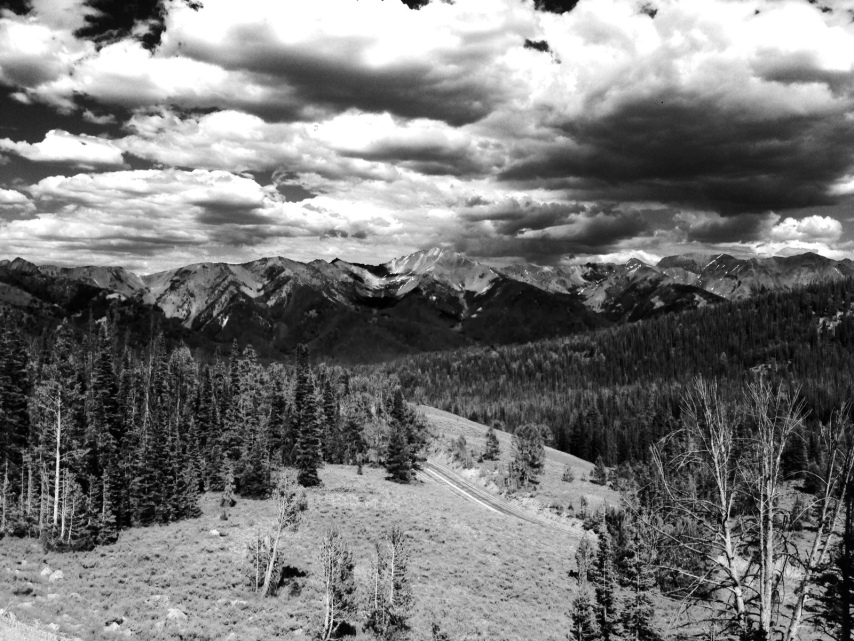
(711, 227)
(810, 229)
(709, 125)
(61, 146)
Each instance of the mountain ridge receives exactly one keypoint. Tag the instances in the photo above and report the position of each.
(431, 299)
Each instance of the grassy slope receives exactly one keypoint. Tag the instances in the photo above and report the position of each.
(552, 489)
(473, 570)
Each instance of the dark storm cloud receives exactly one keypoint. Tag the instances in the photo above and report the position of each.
(561, 234)
(706, 228)
(692, 151)
(231, 214)
(430, 159)
(337, 82)
(512, 216)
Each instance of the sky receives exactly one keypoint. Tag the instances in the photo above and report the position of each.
(216, 130)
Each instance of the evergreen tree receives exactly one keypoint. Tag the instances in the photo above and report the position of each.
(605, 582)
(599, 475)
(582, 617)
(529, 454)
(639, 608)
(306, 412)
(492, 449)
(108, 531)
(398, 461)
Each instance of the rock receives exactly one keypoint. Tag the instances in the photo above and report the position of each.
(157, 598)
(239, 602)
(114, 620)
(53, 627)
(52, 596)
(176, 616)
(112, 627)
(46, 571)
(23, 590)
(56, 576)
(214, 533)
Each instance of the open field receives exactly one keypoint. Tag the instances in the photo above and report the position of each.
(478, 573)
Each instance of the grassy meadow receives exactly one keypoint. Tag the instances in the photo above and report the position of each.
(477, 573)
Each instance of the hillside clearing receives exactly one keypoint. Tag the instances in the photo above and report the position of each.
(552, 491)
(475, 572)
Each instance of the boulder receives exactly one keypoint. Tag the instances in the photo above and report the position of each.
(56, 576)
(176, 616)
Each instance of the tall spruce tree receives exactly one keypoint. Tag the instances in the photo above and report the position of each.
(492, 449)
(605, 583)
(398, 460)
(639, 575)
(529, 454)
(308, 421)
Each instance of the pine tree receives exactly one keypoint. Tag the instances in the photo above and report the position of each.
(492, 449)
(108, 532)
(582, 617)
(15, 389)
(605, 582)
(398, 462)
(227, 501)
(599, 475)
(529, 454)
(306, 412)
(639, 608)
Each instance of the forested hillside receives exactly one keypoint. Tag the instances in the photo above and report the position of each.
(98, 434)
(613, 392)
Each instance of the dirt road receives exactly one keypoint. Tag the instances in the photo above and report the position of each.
(472, 492)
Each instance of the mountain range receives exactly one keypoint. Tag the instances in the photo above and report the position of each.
(430, 300)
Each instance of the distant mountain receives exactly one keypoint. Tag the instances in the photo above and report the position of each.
(431, 300)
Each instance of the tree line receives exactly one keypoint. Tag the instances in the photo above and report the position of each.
(614, 392)
(98, 434)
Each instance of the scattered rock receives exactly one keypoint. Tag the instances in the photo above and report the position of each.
(176, 616)
(23, 590)
(157, 598)
(46, 571)
(55, 576)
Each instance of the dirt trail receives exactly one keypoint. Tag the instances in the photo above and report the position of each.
(472, 492)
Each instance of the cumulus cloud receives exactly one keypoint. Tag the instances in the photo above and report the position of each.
(810, 229)
(61, 146)
(346, 120)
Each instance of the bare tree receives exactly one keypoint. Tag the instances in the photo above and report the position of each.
(264, 553)
(339, 588)
(721, 473)
(390, 600)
